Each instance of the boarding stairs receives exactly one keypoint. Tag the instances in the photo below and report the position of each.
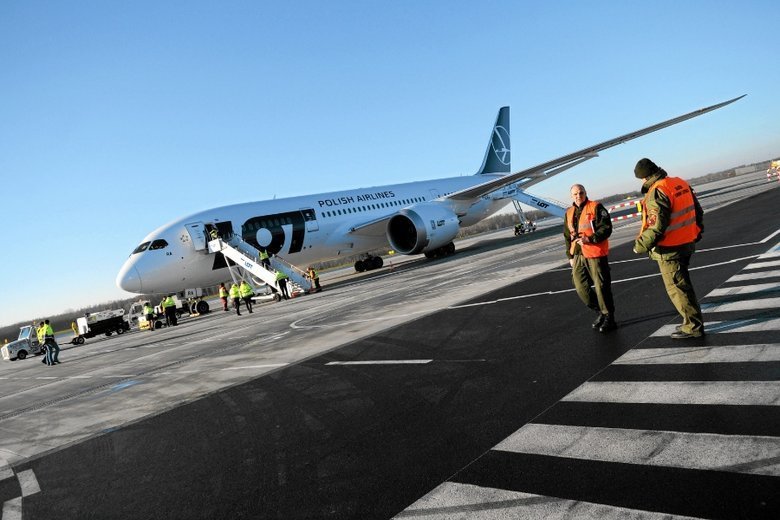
(247, 257)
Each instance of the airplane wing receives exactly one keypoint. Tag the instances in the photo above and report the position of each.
(536, 174)
(539, 173)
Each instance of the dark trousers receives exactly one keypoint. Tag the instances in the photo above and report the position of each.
(170, 316)
(677, 281)
(237, 305)
(593, 271)
(53, 349)
(248, 303)
(283, 288)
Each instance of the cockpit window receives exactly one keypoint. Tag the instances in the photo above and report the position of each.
(158, 244)
(141, 248)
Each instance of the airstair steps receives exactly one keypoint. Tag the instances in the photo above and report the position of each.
(247, 257)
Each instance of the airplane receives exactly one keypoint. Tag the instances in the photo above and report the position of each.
(411, 218)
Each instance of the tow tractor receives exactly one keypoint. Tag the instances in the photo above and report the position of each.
(25, 345)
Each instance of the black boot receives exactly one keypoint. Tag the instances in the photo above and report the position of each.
(599, 321)
(609, 323)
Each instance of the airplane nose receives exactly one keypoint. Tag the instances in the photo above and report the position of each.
(129, 279)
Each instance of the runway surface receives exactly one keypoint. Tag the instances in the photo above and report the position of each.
(469, 387)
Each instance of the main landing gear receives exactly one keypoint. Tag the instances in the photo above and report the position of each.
(446, 250)
(369, 263)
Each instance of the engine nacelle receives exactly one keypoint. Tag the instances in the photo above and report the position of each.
(421, 228)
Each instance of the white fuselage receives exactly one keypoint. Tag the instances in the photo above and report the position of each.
(302, 230)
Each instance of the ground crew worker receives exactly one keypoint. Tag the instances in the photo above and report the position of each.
(48, 339)
(281, 281)
(246, 292)
(214, 234)
(315, 279)
(40, 333)
(223, 295)
(264, 260)
(235, 295)
(672, 223)
(74, 328)
(587, 226)
(169, 309)
(149, 314)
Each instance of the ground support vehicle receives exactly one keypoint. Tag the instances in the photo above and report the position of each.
(193, 305)
(27, 344)
(102, 322)
(523, 228)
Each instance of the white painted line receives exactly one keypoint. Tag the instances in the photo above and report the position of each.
(768, 238)
(455, 500)
(623, 280)
(726, 327)
(745, 305)
(12, 509)
(46, 377)
(753, 276)
(748, 289)
(700, 451)
(119, 376)
(761, 265)
(759, 393)
(28, 482)
(728, 354)
(272, 365)
(383, 362)
(5, 470)
(79, 377)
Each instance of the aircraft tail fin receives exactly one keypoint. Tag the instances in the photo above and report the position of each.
(498, 156)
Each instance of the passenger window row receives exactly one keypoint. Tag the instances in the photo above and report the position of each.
(371, 207)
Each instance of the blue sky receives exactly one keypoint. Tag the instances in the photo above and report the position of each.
(118, 117)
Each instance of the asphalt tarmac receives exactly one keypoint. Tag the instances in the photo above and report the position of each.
(456, 388)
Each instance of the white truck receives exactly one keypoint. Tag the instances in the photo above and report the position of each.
(25, 345)
(102, 322)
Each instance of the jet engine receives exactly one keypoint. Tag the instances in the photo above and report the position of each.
(422, 228)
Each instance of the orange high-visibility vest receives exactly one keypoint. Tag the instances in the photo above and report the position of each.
(585, 229)
(682, 228)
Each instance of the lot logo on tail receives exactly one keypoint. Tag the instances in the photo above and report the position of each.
(500, 143)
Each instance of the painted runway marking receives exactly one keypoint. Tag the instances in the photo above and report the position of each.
(270, 365)
(297, 324)
(5, 470)
(748, 289)
(749, 305)
(754, 276)
(677, 355)
(616, 442)
(383, 362)
(760, 265)
(456, 500)
(28, 482)
(753, 393)
(702, 451)
(12, 509)
(622, 280)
